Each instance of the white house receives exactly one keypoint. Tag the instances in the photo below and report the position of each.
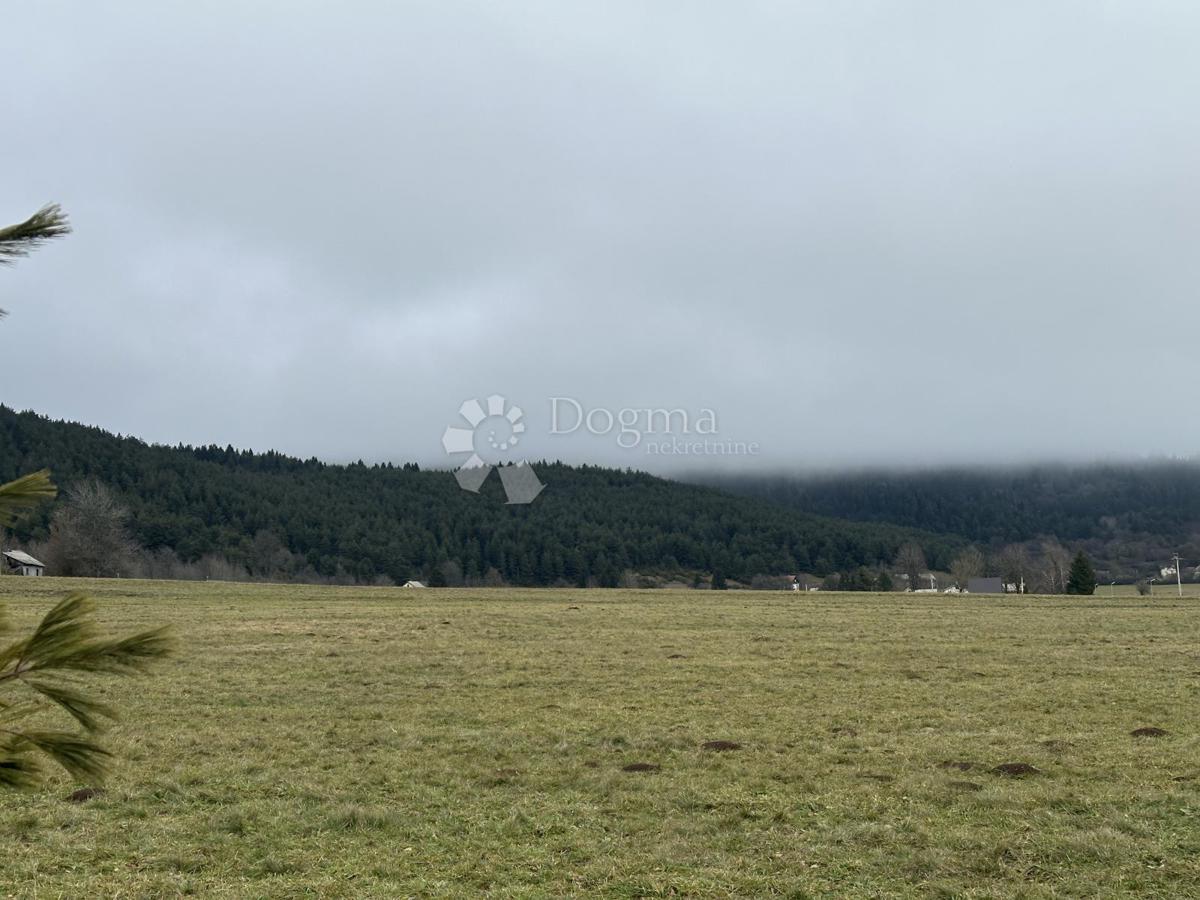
(18, 563)
(413, 584)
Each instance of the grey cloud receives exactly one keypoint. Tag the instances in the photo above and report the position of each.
(859, 232)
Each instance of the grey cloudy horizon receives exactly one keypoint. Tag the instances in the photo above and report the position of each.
(859, 233)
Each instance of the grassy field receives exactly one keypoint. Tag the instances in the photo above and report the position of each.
(1161, 591)
(342, 742)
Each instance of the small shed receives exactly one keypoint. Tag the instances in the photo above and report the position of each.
(413, 584)
(18, 563)
(985, 586)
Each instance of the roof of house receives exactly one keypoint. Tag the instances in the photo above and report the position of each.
(23, 559)
(985, 585)
(413, 584)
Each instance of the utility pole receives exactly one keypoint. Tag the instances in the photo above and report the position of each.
(1178, 575)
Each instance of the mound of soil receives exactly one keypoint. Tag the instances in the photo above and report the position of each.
(1148, 732)
(83, 795)
(720, 746)
(676, 656)
(640, 767)
(1016, 770)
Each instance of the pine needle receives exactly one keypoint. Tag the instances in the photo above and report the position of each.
(19, 240)
(65, 643)
(27, 491)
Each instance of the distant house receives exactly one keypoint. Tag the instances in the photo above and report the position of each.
(986, 586)
(413, 584)
(18, 563)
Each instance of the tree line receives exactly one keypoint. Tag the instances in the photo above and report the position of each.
(223, 511)
(1128, 518)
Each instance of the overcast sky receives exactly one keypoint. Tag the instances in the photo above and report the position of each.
(857, 232)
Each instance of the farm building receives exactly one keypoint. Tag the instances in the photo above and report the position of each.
(18, 563)
(985, 586)
(413, 584)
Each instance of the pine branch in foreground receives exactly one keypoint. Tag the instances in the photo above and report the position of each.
(47, 664)
(25, 492)
(20, 240)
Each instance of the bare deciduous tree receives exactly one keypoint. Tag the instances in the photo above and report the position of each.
(1056, 564)
(1013, 564)
(967, 565)
(911, 561)
(89, 534)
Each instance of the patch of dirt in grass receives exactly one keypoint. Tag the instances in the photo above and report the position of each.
(1148, 731)
(878, 776)
(965, 785)
(676, 656)
(720, 746)
(959, 765)
(640, 767)
(83, 795)
(1015, 770)
(844, 731)
(572, 607)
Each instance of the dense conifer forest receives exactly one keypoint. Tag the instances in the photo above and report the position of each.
(272, 516)
(1131, 518)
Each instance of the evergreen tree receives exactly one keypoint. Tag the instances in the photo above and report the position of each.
(188, 505)
(1082, 577)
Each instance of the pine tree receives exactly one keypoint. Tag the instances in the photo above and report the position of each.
(1082, 577)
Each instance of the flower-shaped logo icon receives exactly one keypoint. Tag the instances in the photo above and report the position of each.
(494, 432)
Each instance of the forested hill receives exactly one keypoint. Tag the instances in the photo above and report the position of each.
(279, 516)
(1129, 516)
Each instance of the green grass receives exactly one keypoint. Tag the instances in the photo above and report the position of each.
(347, 742)
(1162, 590)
